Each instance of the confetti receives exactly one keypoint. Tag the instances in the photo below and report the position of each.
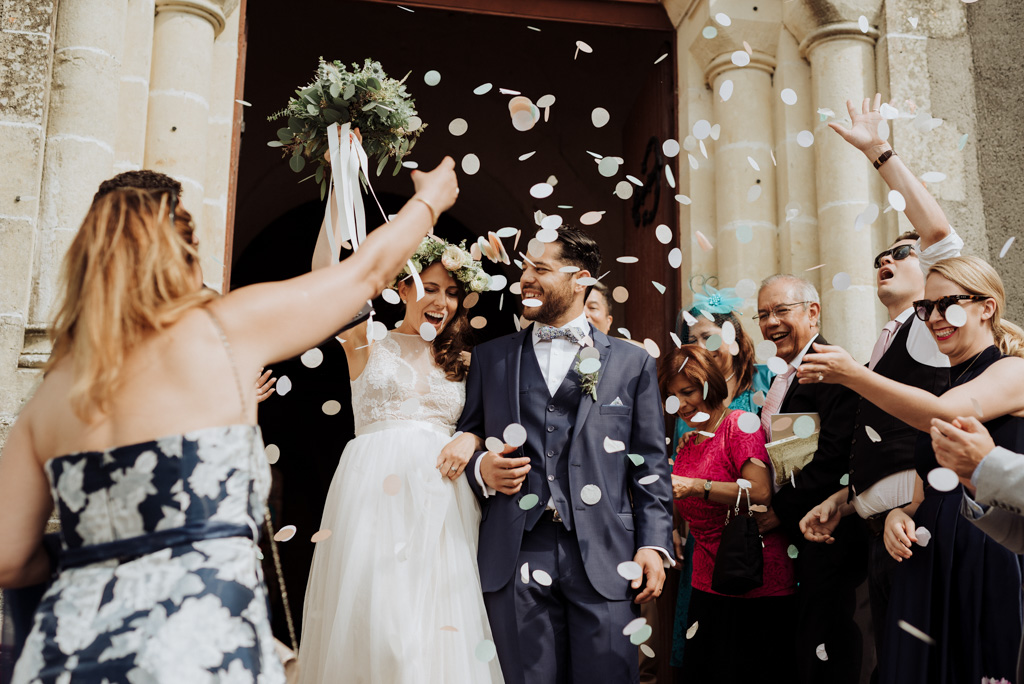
(943, 479)
(841, 281)
(661, 59)
(590, 365)
(529, 501)
(692, 630)
(427, 331)
(514, 435)
(888, 111)
(641, 635)
(485, 651)
(862, 22)
(313, 357)
(897, 201)
(754, 193)
(702, 129)
(955, 315)
(777, 365)
(273, 453)
(741, 58)
(844, 480)
(650, 479)
(709, 32)
(682, 199)
(331, 407)
(542, 578)
(432, 78)
(392, 485)
(620, 294)
(630, 570)
(788, 96)
(914, 631)
(449, 628)
(320, 535)
(524, 573)
(792, 551)
(637, 459)
(748, 423)
(599, 117)
(672, 405)
(613, 446)
(652, 347)
(725, 90)
(977, 407)
(820, 651)
(591, 217)
(590, 494)
(658, 286)
(872, 434)
(582, 47)
(624, 190)
(494, 444)
(284, 385)
(713, 343)
(803, 427)
(675, 257)
(803, 139)
(933, 177)
(482, 89)
(391, 296)
(747, 288)
(470, 164)
(694, 164)
(1006, 247)
(866, 217)
(524, 157)
(633, 625)
(704, 243)
(663, 233)
(745, 234)
(923, 536)
(477, 322)
(285, 533)
(699, 417)
(963, 143)
(647, 650)
(670, 147)
(723, 19)
(541, 190)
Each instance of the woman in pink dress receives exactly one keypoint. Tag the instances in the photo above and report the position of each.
(731, 638)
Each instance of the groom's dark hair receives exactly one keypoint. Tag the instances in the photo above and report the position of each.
(580, 250)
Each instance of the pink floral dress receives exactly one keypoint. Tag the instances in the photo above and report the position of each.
(720, 459)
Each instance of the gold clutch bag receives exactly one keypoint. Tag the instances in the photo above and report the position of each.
(790, 455)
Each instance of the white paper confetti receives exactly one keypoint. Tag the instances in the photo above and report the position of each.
(805, 138)
(590, 494)
(788, 96)
(725, 90)
(943, 479)
(486, 651)
(897, 201)
(841, 281)
(748, 422)
(331, 407)
(803, 427)
(284, 385)
(470, 164)
(664, 234)
(542, 578)
(872, 434)
(427, 331)
(524, 573)
(923, 536)
(820, 650)
(432, 78)
(633, 625)
(630, 570)
(956, 315)
(613, 446)
(273, 453)
(312, 358)
(914, 631)
(650, 479)
(1006, 247)
(541, 190)
(692, 631)
(672, 405)
(740, 58)
(600, 117)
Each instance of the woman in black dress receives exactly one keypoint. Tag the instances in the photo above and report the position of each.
(955, 612)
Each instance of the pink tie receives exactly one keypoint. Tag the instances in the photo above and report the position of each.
(773, 401)
(882, 345)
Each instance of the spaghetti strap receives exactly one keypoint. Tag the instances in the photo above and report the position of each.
(231, 359)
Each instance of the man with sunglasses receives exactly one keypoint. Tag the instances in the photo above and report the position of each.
(881, 467)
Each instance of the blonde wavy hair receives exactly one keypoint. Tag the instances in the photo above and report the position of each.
(129, 271)
(977, 277)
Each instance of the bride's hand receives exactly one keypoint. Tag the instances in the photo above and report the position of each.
(438, 187)
(456, 454)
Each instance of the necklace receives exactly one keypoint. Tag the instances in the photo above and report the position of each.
(731, 376)
(976, 357)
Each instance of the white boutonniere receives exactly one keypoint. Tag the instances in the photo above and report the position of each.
(588, 367)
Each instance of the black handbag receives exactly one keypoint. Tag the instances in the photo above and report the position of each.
(739, 563)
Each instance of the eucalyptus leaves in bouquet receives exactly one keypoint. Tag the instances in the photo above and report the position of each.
(378, 105)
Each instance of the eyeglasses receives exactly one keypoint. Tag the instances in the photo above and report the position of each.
(897, 253)
(923, 307)
(780, 311)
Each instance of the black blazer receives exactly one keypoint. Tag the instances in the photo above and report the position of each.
(837, 407)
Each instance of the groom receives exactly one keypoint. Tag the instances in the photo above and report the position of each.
(549, 563)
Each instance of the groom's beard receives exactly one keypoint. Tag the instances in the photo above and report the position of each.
(556, 303)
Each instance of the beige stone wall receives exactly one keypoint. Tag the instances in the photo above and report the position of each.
(90, 88)
(921, 55)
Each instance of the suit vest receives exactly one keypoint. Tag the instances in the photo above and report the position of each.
(549, 422)
(871, 462)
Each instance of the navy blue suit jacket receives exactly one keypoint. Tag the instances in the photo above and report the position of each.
(628, 515)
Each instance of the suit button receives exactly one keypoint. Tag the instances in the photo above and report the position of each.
(551, 408)
(551, 428)
(551, 478)
(551, 454)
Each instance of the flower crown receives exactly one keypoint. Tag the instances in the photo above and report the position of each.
(456, 260)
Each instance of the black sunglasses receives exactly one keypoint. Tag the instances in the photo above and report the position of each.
(897, 253)
(923, 307)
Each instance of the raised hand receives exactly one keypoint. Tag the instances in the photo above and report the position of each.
(503, 474)
(863, 132)
(439, 187)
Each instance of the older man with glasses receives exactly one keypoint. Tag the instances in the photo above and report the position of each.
(881, 466)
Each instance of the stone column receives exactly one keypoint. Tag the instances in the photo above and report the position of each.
(745, 197)
(842, 67)
(134, 94)
(178, 121)
(80, 135)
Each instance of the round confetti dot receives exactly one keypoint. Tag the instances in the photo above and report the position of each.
(754, 193)
(672, 405)
(535, 248)
(844, 480)
(331, 407)
(494, 444)
(897, 201)
(485, 651)
(470, 164)
(583, 47)
(792, 551)
(841, 281)
(702, 129)
(670, 147)
(637, 459)
(728, 332)
(692, 630)
(427, 331)
(613, 446)
(590, 494)
(524, 573)
(532, 303)
(749, 423)
(591, 217)
(862, 22)
(541, 190)
(820, 650)
(285, 533)
(923, 536)
(284, 385)
(633, 625)
(933, 177)
(788, 96)
(713, 343)
(777, 365)
(482, 89)
(376, 331)
(652, 348)
(725, 90)
(663, 233)
(740, 58)
(312, 358)
(872, 434)
(392, 485)
(414, 123)
(458, 127)
(956, 315)
(477, 322)
(649, 479)
(723, 19)
(743, 484)
(608, 167)
(273, 453)
(320, 535)
(943, 479)
(709, 32)
(781, 422)
(542, 578)
(630, 570)
(588, 366)
(620, 294)
(529, 501)
(432, 78)
(498, 282)
(552, 222)
(514, 435)
(744, 233)
(589, 353)
(675, 258)
(546, 101)
(624, 190)
(641, 635)
(803, 427)
(747, 288)
(391, 296)
(600, 117)
(804, 139)
(647, 650)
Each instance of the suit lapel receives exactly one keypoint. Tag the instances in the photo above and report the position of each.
(604, 347)
(514, 354)
(793, 388)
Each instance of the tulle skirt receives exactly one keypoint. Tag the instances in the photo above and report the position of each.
(394, 593)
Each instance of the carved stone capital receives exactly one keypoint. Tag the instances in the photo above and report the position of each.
(214, 11)
(755, 25)
(813, 22)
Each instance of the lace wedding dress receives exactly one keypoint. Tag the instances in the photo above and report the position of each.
(394, 593)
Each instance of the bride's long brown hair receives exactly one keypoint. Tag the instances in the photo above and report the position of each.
(130, 270)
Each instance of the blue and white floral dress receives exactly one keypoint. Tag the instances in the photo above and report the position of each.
(159, 578)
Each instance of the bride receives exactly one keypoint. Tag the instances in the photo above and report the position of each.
(394, 593)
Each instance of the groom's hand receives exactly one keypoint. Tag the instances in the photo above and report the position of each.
(505, 475)
(651, 563)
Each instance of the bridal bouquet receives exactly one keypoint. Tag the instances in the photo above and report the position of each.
(365, 97)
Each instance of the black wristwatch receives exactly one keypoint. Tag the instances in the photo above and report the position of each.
(707, 489)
